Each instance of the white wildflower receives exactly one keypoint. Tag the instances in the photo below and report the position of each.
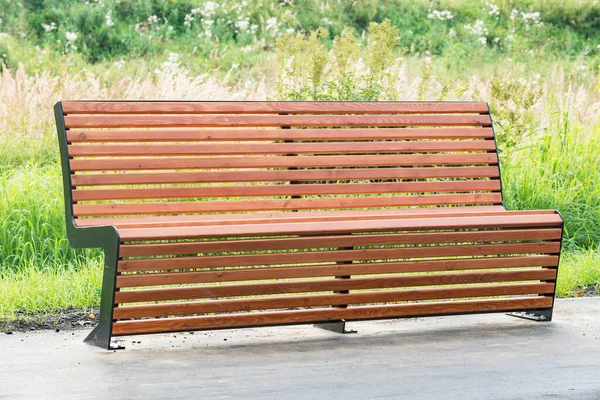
(290, 30)
(451, 32)
(477, 29)
(235, 66)
(242, 24)
(119, 64)
(326, 21)
(188, 19)
(271, 23)
(153, 19)
(496, 39)
(246, 49)
(494, 10)
(514, 14)
(71, 36)
(109, 21)
(444, 15)
(482, 41)
(49, 28)
(532, 18)
(210, 9)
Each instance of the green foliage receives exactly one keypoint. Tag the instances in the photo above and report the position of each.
(32, 224)
(210, 34)
(560, 171)
(511, 101)
(307, 71)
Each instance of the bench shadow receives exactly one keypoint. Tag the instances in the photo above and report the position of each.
(305, 338)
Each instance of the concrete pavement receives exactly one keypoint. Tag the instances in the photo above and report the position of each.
(467, 357)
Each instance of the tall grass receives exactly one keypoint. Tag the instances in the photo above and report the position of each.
(32, 290)
(32, 225)
(560, 171)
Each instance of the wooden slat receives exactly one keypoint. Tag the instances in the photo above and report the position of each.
(280, 161)
(332, 314)
(261, 217)
(270, 107)
(232, 275)
(284, 190)
(150, 264)
(255, 218)
(291, 204)
(155, 249)
(93, 150)
(163, 310)
(174, 121)
(236, 135)
(322, 285)
(282, 175)
(467, 222)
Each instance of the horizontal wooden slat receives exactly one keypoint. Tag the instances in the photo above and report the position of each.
(173, 121)
(271, 107)
(282, 175)
(153, 249)
(290, 204)
(95, 150)
(513, 221)
(256, 218)
(284, 190)
(163, 310)
(305, 286)
(232, 275)
(332, 314)
(282, 161)
(216, 135)
(280, 216)
(149, 264)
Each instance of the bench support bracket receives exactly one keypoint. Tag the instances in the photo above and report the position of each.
(101, 335)
(335, 326)
(539, 316)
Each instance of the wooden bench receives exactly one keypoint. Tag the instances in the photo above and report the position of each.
(239, 214)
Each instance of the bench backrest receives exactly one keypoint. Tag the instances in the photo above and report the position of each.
(149, 158)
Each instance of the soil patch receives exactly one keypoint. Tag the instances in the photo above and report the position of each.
(72, 318)
(587, 291)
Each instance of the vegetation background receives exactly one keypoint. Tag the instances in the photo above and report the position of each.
(535, 61)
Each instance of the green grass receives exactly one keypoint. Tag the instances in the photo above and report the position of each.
(32, 290)
(578, 270)
(559, 171)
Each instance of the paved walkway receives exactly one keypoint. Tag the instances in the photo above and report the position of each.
(466, 357)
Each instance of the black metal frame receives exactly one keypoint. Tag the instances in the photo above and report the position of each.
(105, 237)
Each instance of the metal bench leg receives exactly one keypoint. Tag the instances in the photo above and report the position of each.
(102, 333)
(335, 326)
(540, 316)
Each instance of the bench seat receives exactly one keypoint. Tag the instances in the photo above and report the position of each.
(362, 223)
(217, 215)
